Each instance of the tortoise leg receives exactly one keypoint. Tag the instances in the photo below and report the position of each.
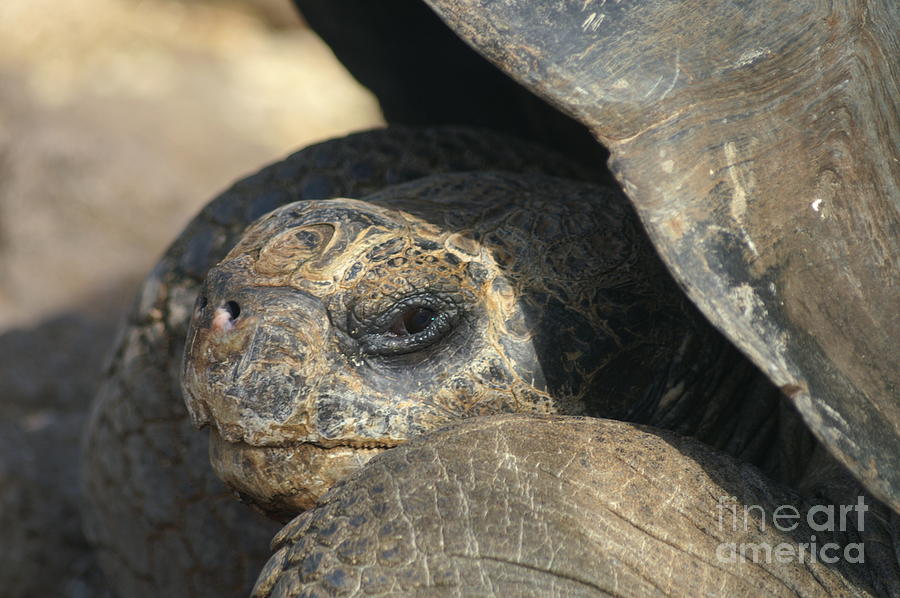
(759, 142)
(519, 506)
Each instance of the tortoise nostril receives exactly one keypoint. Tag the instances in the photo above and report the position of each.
(201, 303)
(233, 309)
(224, 317)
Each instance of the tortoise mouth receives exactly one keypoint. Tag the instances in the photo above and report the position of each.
(325, 444)
(283, 481)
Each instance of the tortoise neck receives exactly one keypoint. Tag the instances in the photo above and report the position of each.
(716, 395)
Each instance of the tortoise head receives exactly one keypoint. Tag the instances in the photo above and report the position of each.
(337, 328)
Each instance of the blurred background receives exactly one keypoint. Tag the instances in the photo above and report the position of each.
(119, 119)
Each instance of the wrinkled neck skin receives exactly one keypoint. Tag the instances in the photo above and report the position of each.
(713, 393)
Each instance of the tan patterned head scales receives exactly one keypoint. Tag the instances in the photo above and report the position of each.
(336, 328)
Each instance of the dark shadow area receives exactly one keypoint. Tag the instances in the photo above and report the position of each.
(423, 74)
(49, 374)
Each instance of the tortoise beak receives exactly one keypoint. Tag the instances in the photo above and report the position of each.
(283, 481)
(251, 362)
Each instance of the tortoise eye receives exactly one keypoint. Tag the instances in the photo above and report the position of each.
(412, 320)
(410, 325)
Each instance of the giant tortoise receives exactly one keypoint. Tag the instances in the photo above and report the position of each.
(431, 275)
